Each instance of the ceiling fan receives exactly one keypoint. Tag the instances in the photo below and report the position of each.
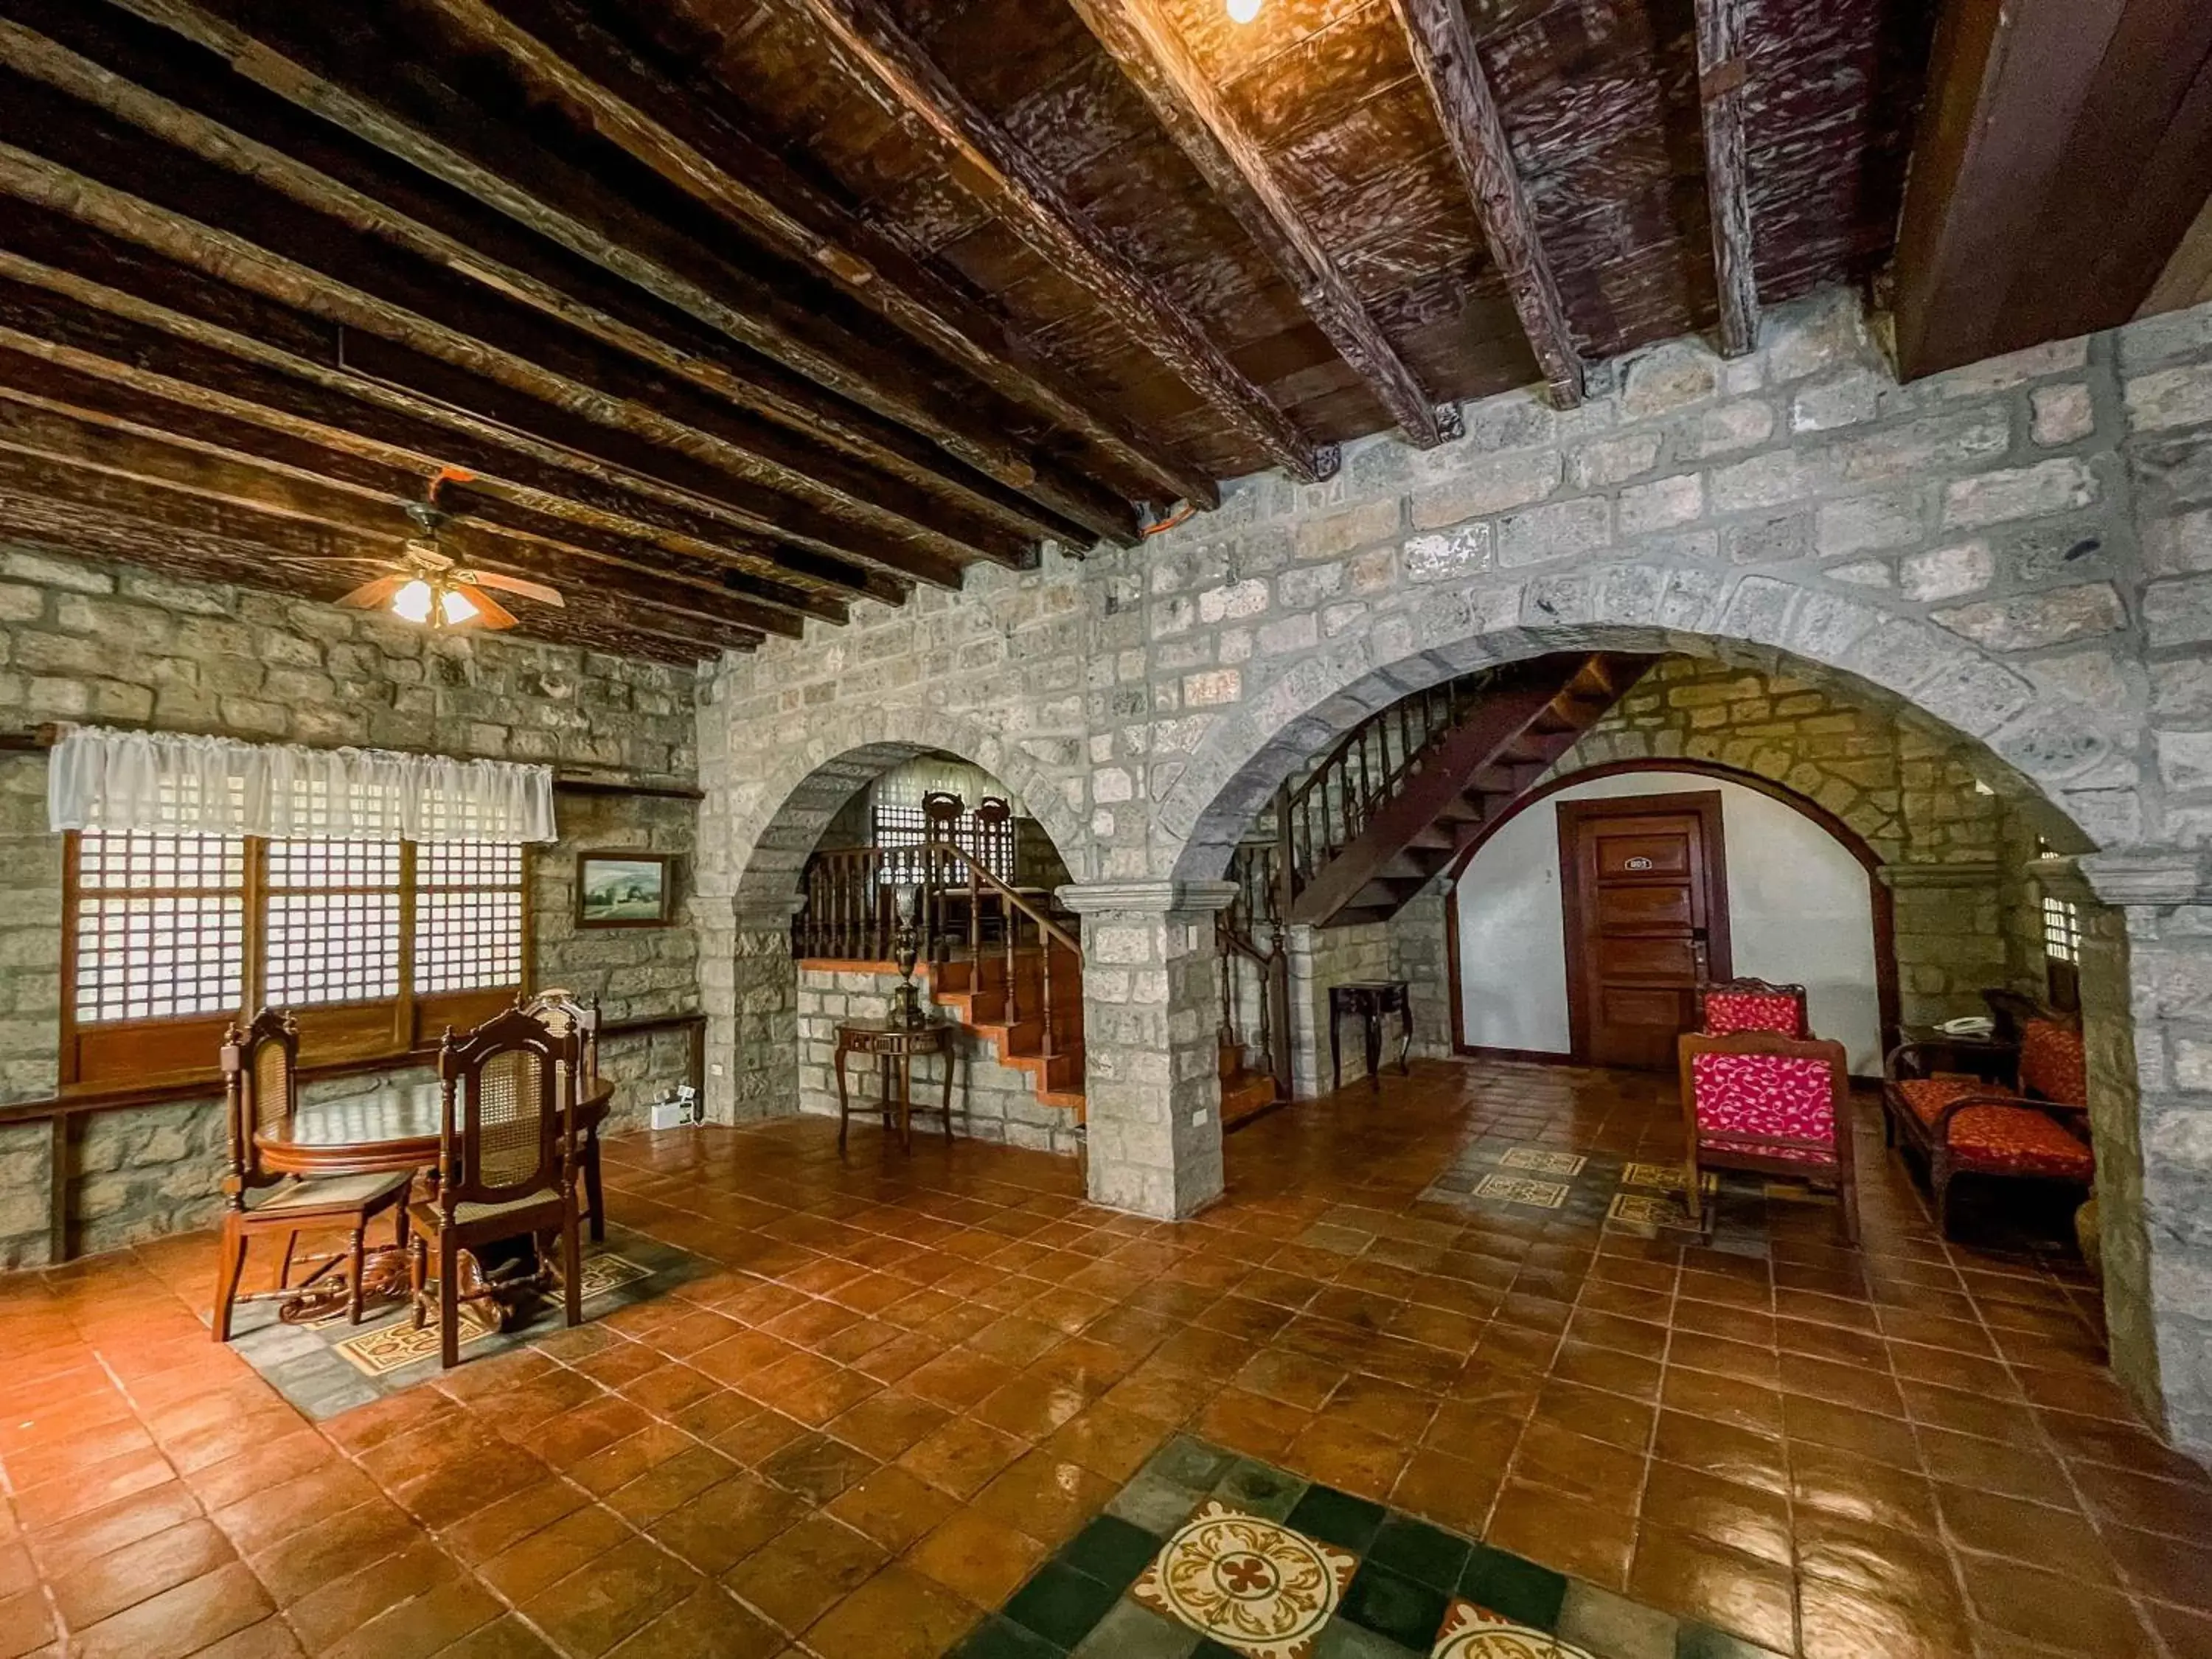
(425, 584)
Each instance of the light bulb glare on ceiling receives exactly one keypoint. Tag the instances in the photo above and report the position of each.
(455, 608)
(414, 601)
(1244, 11)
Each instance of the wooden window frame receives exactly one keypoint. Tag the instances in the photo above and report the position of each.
(101, 1055)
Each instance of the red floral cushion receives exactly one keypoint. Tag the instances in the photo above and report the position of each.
(1747, 1102)
(1727, 1013)
(1999, 1139)
(2053, 1063)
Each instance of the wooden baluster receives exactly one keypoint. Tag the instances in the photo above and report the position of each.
(1044, 948)
(1013, 961)
(975, 913)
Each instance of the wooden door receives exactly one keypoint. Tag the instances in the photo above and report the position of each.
(1645, 887)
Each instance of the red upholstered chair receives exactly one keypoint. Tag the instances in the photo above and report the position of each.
(1752, 1004)
(1778, 1105)
(2038, 1131)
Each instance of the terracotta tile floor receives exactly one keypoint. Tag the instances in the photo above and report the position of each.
(908, 1383)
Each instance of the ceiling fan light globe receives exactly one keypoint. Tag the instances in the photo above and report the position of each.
(1244, 11)
(454, 609)
(414, 602)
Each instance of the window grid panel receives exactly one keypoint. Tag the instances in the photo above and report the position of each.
(331, 947)
(467, 940)
(140, 863)
(2061, 931)
(329, 865)
(468, 864)
(166, 958)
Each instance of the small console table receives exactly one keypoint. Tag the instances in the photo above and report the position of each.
(1373, 1000)
(895, 1047)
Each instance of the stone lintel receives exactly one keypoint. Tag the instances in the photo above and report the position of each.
(1089, 899)
(2149, 876)
(1980, 872)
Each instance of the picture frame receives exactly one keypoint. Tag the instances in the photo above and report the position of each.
(619, 888)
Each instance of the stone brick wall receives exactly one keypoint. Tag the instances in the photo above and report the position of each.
(2021, 550)
(990, 1101)
(81, 640)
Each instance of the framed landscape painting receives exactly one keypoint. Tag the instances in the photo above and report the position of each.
(623, 890)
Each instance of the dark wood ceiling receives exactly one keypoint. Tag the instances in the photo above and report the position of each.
(739, 310)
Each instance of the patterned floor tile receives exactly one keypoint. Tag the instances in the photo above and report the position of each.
(1252, 1584)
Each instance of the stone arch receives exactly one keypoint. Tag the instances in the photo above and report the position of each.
(2040, 739)
(774, 820)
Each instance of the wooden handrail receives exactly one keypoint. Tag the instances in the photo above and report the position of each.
(977, 872)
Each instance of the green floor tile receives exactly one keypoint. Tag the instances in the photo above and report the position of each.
(1112, 1551)
(1342, 1640)
(1133, 1631)
(1423, 1553)
(1060, 1604)
(1155, 1503)
(1390, 1604)
(1520, 1590)
(1335, 1517)
(997, 1638)
(1191, 1464)
(1258, 1489)
(1612, 1626)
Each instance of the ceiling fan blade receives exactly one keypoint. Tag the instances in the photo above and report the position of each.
(491, 613)
(528, 590)
(375, 595)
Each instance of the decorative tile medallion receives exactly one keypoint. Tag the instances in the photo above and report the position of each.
(1519, 1189)
(1474, 1632)
(1653, 1210)
(1543, 1161)
(1249, 1584)
(388, 1347)
(1667, 1177)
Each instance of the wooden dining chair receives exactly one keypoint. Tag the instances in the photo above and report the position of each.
(507, 1168)
(261, 1086)
(563, 1010)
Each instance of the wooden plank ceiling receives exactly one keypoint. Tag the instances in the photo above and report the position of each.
(739, 310)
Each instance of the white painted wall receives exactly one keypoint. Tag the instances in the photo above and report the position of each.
(1799, 911)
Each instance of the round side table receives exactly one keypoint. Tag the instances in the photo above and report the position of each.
(895, 1047)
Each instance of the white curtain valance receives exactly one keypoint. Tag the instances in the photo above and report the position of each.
(906, 784)
(99, 779)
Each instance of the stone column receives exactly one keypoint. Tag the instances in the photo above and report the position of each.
(2147, 1003)
(749, 987)
(1309, 1001)
(1152, 1010)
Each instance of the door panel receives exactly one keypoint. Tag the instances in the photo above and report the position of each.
(1645, 888)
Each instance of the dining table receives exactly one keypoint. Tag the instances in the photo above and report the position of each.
(393, 1131)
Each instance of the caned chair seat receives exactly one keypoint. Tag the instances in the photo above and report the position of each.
(330, 1193)
(472, 1211)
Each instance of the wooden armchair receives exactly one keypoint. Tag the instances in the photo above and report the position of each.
(2034, 1128)
(561, 1010)
(507, 1168)
(260, 1082)
(1752, 1004)
(1778, 1105)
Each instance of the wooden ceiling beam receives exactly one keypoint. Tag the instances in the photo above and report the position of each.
(105, 515)
(102, 331)
(73, 158)
(1722, 68)
(989, 160)
(187, 95)
(669, 116)
(298, 364)
(35, 425)
(192, 423)
(392, 98)
(1141, 37)
(2061, 157)
(1442, 43)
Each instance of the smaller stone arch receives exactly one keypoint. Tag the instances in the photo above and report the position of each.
(776, 819)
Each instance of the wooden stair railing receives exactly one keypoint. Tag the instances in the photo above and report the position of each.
(1255, 987)
(953, 879)
(1357, 846)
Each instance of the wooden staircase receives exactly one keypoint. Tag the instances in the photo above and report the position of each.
(1394, 804)
(975, 992)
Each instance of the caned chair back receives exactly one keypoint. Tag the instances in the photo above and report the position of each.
(561, 1010)
(261, 1089)
(1752, 1004)
(508, 1110)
